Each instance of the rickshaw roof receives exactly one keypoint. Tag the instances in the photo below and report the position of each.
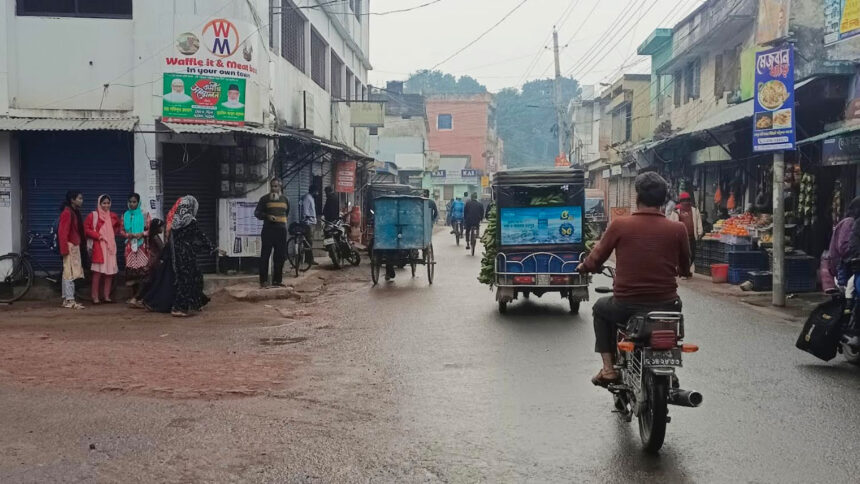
(539, 176)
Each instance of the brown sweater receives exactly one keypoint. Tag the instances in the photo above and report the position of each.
(650, 252)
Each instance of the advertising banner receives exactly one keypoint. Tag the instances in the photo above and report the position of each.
(773, 111)
(841, 20)
(242, 237)
(203, 100)
(367, 114)
(345, 177)
(842, 150)
(541, 225)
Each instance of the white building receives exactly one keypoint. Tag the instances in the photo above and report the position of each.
(114, 97)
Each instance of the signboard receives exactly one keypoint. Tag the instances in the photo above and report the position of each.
(206, 76)
(841, 20)
(485, 181)
(615, 170)
(367, 114)
(772, 20)
(203, 100)
(416, 181)
(541, 225)
(345, 177)
(470, 173)
(438, 174)
(773, 111)
(605, 173)
(843, 150)
(243, 228)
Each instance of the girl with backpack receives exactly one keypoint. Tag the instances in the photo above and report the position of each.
(70, 235)
(101, 228)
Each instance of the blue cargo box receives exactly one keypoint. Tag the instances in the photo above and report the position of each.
(401, 223)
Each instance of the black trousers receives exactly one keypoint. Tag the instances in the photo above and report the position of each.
(611, 313)
(274, 238)
(693, 250)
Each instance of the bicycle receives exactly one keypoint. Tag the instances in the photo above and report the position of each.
(298, 247)
(457, 225)
(472, 238)
(17, 272)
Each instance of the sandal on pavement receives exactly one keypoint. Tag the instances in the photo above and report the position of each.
(75, 305)
(604, 378)
(179, 314)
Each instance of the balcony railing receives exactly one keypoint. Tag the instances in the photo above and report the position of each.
(717, 17)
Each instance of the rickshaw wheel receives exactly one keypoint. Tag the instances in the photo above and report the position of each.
(375, 265)
(429, 260)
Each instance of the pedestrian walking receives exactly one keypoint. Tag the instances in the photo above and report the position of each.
(135, 231)
(309, 219)
(155, 248)
(101, 228)
(273, 209)
(178, 286)
(689, 215)
(70, 235)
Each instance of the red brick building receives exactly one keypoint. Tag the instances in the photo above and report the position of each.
(465, 125)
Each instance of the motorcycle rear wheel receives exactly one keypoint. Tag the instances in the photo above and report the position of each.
(334, 255)
(654, 413)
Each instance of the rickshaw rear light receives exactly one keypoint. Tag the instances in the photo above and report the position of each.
(524, 280)
(559, 279)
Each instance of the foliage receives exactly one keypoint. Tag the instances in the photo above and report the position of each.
(429, 82)
(527, 122)
(490, 240)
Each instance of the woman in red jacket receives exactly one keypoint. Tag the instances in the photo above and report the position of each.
(70, 236)
(101, 227)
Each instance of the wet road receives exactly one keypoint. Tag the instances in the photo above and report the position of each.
(508, 398)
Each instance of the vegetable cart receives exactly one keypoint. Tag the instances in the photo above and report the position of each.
(403, 233)
(540, 235)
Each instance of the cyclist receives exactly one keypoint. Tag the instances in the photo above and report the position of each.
(473, 213)
(457, 209)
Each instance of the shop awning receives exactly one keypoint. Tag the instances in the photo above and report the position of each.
(67, 124)
(829, 134)
(180, 128)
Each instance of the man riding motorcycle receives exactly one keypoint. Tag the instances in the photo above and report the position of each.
(650, 252)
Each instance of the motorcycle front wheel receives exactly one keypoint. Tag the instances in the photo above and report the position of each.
(334, 255)
(654, 412)
(354, 257)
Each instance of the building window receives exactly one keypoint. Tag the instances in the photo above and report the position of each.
(336, 77)
(677, 85)
(75, 8)
(628, 122)
(358, 90)
(364, 93)
(445, 122)
(355, 6)
(293, 36)
(350, 85)
(692, 79)
(318, 48)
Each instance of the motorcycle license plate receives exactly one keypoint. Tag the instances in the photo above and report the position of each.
(661, 357)
(328, 242)
(543, 279)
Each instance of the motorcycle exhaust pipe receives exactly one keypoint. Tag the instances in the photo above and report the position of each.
(685, 398)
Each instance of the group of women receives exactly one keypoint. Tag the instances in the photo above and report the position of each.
(160, 258)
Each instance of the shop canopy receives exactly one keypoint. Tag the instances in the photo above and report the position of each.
(829, 134)
(67, 124)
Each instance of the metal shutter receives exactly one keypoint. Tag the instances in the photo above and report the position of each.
(55, 162)
(195, 170)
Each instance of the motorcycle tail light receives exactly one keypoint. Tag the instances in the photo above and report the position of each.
(524, 280)
(559, 279)
(626, 346)
(663, 340)
(689, 348)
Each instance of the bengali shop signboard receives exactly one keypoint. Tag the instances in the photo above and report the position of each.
(205, 79)
(345, 177)
(773, 108)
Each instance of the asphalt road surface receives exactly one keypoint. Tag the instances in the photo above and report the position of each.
(408, 382)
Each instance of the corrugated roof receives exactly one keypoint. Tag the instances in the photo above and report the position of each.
(67, 124)
(830, 134)
(218, 129)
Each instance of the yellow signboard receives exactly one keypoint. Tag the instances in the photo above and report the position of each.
(370, 114)
(485, 181)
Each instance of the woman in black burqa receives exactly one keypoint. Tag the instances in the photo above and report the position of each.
(177, 287)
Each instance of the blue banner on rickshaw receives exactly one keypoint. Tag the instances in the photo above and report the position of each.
(773, 112)
(541, 225)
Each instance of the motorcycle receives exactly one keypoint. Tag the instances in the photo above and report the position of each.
(649, 350)
(848, 342)
(338, 244)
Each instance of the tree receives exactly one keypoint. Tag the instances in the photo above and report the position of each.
(429, 82)
(527, 121)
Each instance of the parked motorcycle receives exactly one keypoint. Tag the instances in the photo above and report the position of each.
(338, 244)
(648, 352)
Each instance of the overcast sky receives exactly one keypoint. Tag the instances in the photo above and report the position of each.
(601, 36)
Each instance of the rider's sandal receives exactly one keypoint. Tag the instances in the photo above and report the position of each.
(605, 378)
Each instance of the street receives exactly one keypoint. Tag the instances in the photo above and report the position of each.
(403, 382)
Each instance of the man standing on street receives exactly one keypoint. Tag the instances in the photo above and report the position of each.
(273, 209)
(689, 215)
(331, 208)
(434, 210)
(309, 219)
(473, 213)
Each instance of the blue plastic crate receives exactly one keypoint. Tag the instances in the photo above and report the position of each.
(749, 260)
(737, 276)
(806, 284)
(761, 280)
(737, 247)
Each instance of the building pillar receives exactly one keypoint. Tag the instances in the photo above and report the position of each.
(147, 179)
(11, 215)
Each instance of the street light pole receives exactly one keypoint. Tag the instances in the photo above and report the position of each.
(559, 112)
(778, 229)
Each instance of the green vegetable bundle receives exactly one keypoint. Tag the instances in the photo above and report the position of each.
(554, 199)
(490, 240)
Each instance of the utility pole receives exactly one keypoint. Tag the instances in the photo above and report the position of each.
(558, 108)
(778, 229)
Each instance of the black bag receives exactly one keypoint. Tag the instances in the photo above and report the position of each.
(822, 331)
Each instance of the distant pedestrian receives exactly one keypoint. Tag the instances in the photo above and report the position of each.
(101, 227)
(135, 228)
(273, 209)
(449, 214)
(689, 215)
(473, 213)
(309, 218)
(331, 208)
(70, 235)
(434, 210)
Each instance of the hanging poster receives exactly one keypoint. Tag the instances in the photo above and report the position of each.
(345, 177)
(841, 20)
(773, 112)
(203, 100)
(242, 237)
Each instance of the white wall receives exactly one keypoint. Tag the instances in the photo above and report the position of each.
(10, 217)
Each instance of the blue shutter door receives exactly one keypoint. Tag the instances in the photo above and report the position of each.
(94, 162)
